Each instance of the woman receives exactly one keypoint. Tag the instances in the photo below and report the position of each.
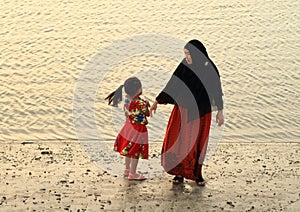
(194, 89)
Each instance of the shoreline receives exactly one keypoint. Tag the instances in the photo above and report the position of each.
(60, 176)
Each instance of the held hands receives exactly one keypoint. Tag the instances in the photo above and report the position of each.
(147, 103)
(153, 108)
(220, 118)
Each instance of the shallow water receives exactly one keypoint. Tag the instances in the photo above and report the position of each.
(45, 47)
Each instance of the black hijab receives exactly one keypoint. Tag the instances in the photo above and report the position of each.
(196, 86)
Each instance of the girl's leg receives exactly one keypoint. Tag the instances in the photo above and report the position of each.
(127, 166)
(133, 165)
(133, 175)
(127, 162)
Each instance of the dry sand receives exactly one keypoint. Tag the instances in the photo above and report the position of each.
(58, 175)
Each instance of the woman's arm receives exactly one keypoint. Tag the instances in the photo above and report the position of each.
(220, 118)
(167, 95)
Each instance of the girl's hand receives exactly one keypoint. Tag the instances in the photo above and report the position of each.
(220, 118)
(147, 110)
(153, 108)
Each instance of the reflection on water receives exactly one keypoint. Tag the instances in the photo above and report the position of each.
(46, 46)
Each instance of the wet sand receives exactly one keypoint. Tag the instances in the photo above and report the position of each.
(46, 45)
(58, 175)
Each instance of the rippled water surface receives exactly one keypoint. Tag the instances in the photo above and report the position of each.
(47, 45)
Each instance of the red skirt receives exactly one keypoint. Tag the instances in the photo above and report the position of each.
(132, 141)
(185, 144)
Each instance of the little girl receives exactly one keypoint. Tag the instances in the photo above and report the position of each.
(132, 140)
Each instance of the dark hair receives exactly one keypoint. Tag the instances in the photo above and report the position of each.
(131, 86)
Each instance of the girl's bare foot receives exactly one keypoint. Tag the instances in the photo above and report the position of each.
(126, 172)
(138, 177)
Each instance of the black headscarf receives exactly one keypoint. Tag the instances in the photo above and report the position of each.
(195, 86)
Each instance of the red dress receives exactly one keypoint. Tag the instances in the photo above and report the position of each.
(195, 90)
(185, 144)
(132, 140)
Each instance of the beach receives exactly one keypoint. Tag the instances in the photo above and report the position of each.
(57, 176)
(59, 59)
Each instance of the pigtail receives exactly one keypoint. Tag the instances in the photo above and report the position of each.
(115, 97)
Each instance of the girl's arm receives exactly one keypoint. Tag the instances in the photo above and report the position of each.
(147, 113)
(153, 107)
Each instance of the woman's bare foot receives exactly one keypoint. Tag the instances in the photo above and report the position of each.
(200, 181)
(178, 180)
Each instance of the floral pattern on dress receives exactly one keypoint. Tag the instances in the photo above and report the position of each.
(132, 139)
(137, 112)
(127, 149)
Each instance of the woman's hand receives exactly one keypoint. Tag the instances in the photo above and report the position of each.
(220, 118)
(147, 103)
(153, 107)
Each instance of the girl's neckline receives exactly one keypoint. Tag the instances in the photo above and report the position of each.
(132, 99)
